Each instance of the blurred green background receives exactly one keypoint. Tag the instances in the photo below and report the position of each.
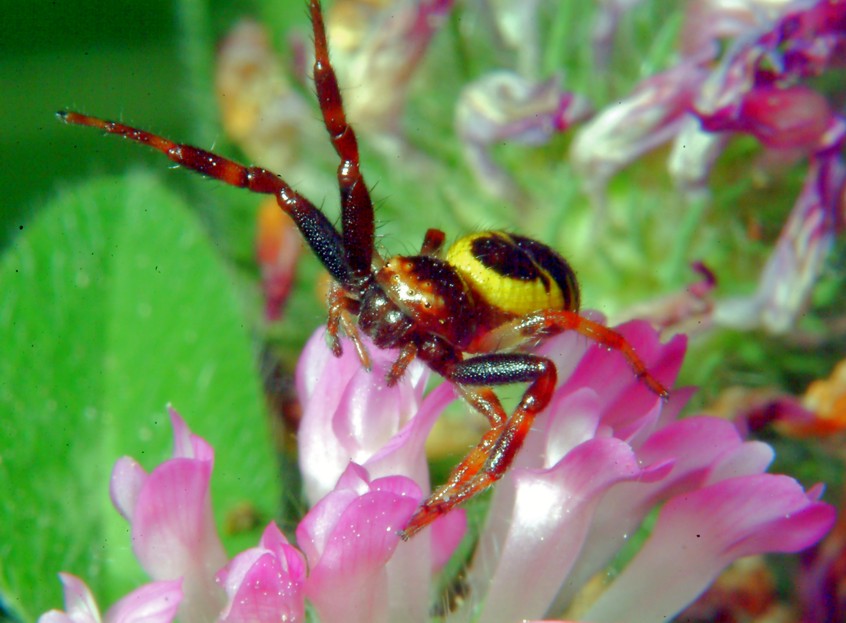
(120, 60)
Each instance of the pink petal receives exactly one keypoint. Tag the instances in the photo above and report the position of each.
(529, 548)
(265, 583)
(156, 602)
(697, 450)
(185, 443)
(627, 405)
(404, 454)
(127, 480)
(292, 560)
(795, 117)
(354, 415)
(348, 537)
(80, 606)
(699, 533)
(573, 418)
(173, 531)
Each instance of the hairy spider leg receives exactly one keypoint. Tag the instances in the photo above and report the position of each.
(492, 457)
(485, 401)
(341, 310)
(542, 324)
(314, 226)
(553, 321)
(357, 218)
(433, 242)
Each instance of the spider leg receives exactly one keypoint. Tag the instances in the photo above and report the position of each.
(341, 309)
(356, 206)
(407, 354)
(486, 402)
(531, 328)
(490, 459)
(317, 230)
(432, 242)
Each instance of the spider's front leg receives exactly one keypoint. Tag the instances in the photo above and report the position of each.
(492, 457)
(314, 226)
(357, 220)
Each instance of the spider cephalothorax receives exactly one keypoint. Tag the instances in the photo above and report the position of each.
(469, 312)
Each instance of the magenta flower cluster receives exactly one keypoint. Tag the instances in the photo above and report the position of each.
(601, 458)
(744, 68)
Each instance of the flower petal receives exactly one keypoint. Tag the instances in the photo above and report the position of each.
(348, 537)
(350, 414)
(699, 533)
(504, 106)
(173, 531)
(787, 281)
(127, 480)
(697, 450)
(156, 602)
(79, 603)
(265, 583)
(529, 548)
(651, 116)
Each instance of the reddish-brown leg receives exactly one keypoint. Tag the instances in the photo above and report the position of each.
(317, 230)
(551, 322)
(494, 454)
(340, 311)
(407, 354)
(432, 242)
(486, 402)
(356, 206)
(548, 322)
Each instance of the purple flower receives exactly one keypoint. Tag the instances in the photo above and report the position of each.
(505, 106)
(756, 87)
(604, 454)
(265, 583)
(787, 280)
(653, 114)
(173, 531)
(156, 602)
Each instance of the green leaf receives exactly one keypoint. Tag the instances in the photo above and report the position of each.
(115, 303)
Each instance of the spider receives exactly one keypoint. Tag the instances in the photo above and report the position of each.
(470, 312)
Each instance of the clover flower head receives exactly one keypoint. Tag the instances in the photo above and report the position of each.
(603, 455)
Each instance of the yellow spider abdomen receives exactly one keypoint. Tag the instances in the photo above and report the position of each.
(513, 274)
